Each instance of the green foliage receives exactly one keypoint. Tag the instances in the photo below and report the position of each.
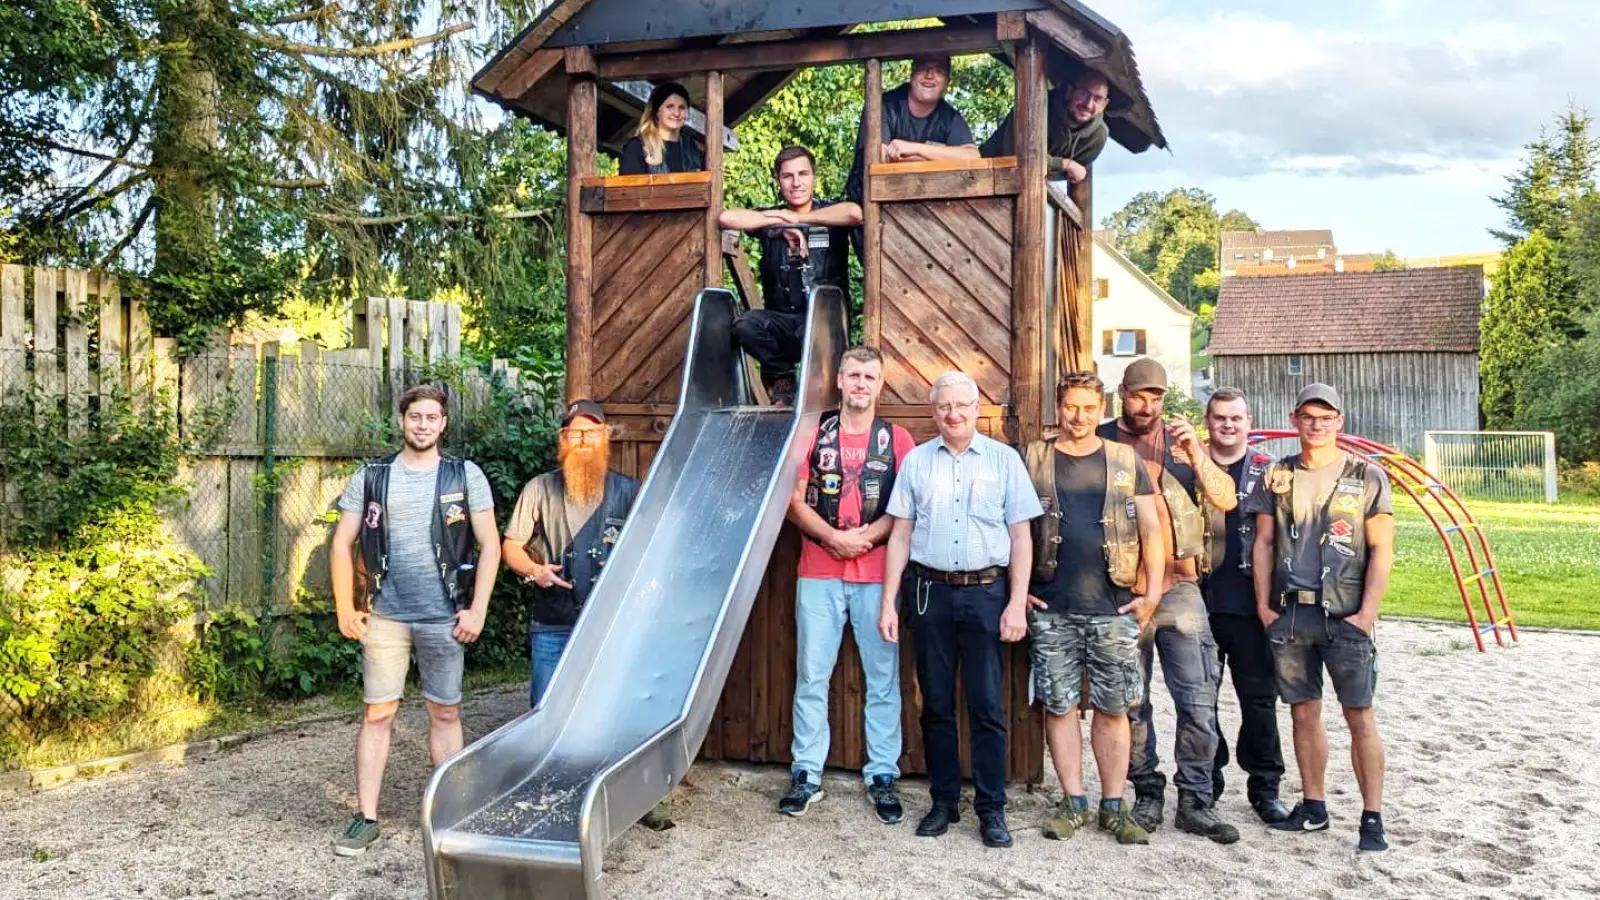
(1388, 262)
(1561, 393)
(1173, 238)
(1559, 172)
(1529, 311)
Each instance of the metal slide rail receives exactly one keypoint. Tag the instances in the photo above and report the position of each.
(1423, 486)
(528, 810)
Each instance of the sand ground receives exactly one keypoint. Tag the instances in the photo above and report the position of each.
(1493, 792)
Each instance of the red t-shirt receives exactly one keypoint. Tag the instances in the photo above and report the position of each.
(815, 562)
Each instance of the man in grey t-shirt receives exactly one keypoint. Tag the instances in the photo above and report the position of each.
(1324, 547)
(416, 516)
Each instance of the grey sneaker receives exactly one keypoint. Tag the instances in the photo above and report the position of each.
(802, 793)
(360, 835)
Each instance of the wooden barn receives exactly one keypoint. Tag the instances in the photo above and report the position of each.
(1401, 347)
(973, 265)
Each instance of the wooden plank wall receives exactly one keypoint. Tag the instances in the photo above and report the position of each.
(71, 339)
(1391, 398)
(647, 268)
(945, 293)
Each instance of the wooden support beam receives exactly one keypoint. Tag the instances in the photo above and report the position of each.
(645, 197)
(872, 226)
(713, 227)
(581, 140)
(799, 52)
(1027, 247)
(1066, 34)
(531, 72)
(940, 180)
(1010, 26)
(580, 61)
(1082, 298)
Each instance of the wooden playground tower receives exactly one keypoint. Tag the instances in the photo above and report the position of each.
(976, 265)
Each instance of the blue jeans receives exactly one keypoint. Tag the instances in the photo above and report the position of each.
(821, 608)
(545, 647)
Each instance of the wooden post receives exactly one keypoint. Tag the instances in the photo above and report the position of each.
(112, 341)
(581, 148)
(713, 238)
(46, 378)
(76, 290)
(1081, 301)
(397, 352)
(141, 357)
(872, 266)
(1027, 246)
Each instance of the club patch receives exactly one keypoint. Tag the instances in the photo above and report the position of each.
(1346, 486)
(883, 441)
(811, 495)
(1341, 528)
(454, 513)
(613, 529)
(1281, 481)
(452, 498)
(1346, 504)
(1133, 511)
(828, 459)
(830, 484)
(374, 515)
(878, 466)
(1048, 503)
(872, 489)
(1123, 478)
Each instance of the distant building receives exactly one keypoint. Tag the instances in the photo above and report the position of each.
(1273, 250)
(1489, 260)
(1401, 347)
(1134, 317)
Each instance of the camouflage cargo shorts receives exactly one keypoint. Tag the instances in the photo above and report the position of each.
(1065, 645)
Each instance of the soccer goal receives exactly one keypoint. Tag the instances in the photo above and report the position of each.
(1514, 466)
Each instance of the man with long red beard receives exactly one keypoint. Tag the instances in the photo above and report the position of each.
(561, 533)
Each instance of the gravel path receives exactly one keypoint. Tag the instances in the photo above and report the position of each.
(1493, 792)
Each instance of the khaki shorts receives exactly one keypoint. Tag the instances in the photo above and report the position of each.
(386, 651)
(1065, 645)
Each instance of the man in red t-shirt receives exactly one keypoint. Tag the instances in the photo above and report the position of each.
(839, 504)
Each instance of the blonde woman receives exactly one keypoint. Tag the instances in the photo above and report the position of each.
(659, 148)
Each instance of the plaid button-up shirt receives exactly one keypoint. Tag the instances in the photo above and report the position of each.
(963, 505)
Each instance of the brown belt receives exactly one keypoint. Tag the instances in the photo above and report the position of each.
(960, 579)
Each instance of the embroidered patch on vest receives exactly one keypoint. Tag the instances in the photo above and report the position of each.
(827, 459)
(1346, 504)
(830, 484)
(374, 514)
(1281, 481)
(454, 513)
(452, 498)
(1133, 511)
(874, 465)
(1122, 478)
(871, 490)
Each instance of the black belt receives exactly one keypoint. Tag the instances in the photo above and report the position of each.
(960, 579)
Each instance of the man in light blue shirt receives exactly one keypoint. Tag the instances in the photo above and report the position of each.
(961, 505)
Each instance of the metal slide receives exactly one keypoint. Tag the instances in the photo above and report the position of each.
(527, 811)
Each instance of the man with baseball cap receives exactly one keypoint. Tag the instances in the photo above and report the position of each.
(562, 532)
(1184, 477)
(1324, 547)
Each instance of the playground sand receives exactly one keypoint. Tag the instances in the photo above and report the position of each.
(1492, 792)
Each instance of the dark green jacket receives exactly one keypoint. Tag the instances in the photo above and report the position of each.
(1081, 144)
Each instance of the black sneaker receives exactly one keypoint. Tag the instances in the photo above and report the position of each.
(1197, 815)
(885, 801)
(1148, 811)
(802, 793)
(1300, 820)
(1372, 839)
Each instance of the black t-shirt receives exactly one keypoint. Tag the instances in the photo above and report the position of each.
(1228, 588)
(782, 277)
(680, 155)
(1081, 584)
(942, 126)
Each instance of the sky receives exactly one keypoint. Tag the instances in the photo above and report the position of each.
(1391, 122)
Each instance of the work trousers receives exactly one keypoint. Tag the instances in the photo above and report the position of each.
(772, 339)
(1243, 651)
(960, 626)
(1182, 635)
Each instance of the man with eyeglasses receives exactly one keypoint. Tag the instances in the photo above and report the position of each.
(961, 505)
(1075, 127)
(562, 532)
(1324, 547)
(918, 124)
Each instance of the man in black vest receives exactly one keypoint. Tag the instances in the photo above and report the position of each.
(1242, 647)
(416, 515)
(1324, 547)
(1181, 472)
(838, 504)
(804, 243)
(562, 531)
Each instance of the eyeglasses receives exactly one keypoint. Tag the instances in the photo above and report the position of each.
(583, 436)
(1097, 99)
(1318, 421)
(945, 409)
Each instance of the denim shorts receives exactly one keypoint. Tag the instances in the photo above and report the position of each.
(386, 651)
(1066, 645)
(1305, 639)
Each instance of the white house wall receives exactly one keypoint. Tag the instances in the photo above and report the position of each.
(1130, 303)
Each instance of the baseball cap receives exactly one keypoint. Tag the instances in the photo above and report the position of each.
(586, 408)
(1144, 375)
(1319, 393)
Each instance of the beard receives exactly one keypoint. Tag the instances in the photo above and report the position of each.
(584, 468)
(857, 403)
(421, 446)
(1141, 425)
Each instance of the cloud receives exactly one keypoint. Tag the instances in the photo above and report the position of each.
(1425, 87)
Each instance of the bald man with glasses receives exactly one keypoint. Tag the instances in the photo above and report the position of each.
(1075, 127)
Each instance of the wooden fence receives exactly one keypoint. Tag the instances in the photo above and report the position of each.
(284, 424)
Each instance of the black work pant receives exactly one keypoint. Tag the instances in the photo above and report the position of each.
(1242, 649)
(772, 339)
(960, 625)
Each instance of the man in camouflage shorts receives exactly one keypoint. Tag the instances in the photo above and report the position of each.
(1084, 616)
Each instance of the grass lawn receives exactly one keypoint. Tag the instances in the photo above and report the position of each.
(1548, 556)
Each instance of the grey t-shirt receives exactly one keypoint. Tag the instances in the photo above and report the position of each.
(1312, 488)
(412, 590)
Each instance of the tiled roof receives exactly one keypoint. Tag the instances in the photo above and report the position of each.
(1261, 240)
(1360, 312)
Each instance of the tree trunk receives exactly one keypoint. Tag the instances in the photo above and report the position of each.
(184, 143)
